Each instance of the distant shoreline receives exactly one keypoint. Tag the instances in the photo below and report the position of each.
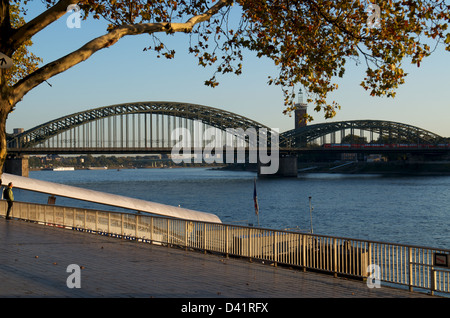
(394, 168)
(125, 168)
(341, 167)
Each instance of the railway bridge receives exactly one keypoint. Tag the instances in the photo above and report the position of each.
(200, 132)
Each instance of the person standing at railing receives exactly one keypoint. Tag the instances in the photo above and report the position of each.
(9, 197)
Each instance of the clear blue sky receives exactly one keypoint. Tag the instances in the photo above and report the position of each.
(125, 73)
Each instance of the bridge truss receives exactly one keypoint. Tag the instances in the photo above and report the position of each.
(147, 127)
(373, 130)
(131, 127)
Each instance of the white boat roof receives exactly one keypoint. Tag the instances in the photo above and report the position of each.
(62, 190)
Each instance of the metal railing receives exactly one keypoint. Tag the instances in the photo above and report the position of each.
(398, 265)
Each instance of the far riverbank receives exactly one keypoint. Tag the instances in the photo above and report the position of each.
(394, 167)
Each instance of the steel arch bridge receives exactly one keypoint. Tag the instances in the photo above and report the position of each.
(135, 127)
(145, 127)
(378, 130)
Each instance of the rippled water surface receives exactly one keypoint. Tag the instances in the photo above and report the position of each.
(401, 209)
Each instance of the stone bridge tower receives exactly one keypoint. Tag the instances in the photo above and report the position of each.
(300, 111)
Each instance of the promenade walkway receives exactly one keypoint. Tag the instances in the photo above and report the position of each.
(34, 260)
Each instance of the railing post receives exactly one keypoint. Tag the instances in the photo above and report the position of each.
(151, 230)
(335, 259)
(304, 252)
(185, 235)
(121, 225)
(369, 256)
(137, 225)
(249, 243)
(204, 238)
(410, 267)
(432, 280)
(227, 244)
(109, 223)
(275, 249)
(64, 216)
(168, 232)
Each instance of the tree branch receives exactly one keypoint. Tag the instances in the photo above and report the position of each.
(62, 64)
(39, 23)
(5, 23)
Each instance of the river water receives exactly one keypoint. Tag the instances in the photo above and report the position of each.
(400, 209)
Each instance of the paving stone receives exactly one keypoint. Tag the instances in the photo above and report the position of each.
(34, 260)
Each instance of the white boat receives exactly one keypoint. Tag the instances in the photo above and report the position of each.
(97, 168)
(64, 169)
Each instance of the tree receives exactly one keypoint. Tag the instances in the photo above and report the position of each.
(309, 40)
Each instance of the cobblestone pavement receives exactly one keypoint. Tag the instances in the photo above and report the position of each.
(34, 260)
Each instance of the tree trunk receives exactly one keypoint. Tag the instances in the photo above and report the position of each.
(4, 106)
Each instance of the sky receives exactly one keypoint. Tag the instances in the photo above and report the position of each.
(125, 73)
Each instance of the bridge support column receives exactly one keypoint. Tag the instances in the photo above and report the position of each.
(17, 165)
(414, 158)
(287, 167)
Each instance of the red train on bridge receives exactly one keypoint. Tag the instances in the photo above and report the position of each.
(386, 146)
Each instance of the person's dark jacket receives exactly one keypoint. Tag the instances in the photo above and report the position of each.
(8, 194)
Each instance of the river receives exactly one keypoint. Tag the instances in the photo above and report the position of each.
(400, 209)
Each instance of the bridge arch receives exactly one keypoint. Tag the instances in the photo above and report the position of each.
(378, 130)
(112, 123)
(144, 125)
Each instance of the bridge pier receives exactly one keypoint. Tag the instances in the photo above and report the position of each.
(415, 158)
(17, 165)
(287, 167)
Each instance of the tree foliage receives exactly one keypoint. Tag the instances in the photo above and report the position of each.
(24, 61)
(310, 41)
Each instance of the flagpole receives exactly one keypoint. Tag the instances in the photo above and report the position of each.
(310, 214)
(255, 199)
